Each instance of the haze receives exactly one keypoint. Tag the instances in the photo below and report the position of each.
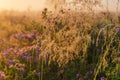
(22, 4)
(40, 4)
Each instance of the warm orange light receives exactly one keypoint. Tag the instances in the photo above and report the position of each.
(40, 4)
(22, 4)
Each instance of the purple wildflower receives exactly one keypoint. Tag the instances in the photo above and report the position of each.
(19, 36)
(77, 75)
(2, 76)
(17, 64)
(22, 37)
(21, 69)
(38, 74)
(31, 36)
(36, 61)
(5, 52)
(47, 59)
(118, 29)
(98, 50)
(37, 50)
(99, 41)
(48, 21)
(28, 57)
(91, 72)
(11, 61)
(24, 54)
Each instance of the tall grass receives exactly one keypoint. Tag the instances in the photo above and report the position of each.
(64, 45)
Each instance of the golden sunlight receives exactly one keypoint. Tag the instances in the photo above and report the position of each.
(22, 4)
(40, 4)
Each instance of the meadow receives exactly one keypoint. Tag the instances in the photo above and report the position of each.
(63, 45)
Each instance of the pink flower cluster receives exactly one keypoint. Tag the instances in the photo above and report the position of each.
(2, 75)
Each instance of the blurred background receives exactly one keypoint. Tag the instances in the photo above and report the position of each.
(22, 5)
